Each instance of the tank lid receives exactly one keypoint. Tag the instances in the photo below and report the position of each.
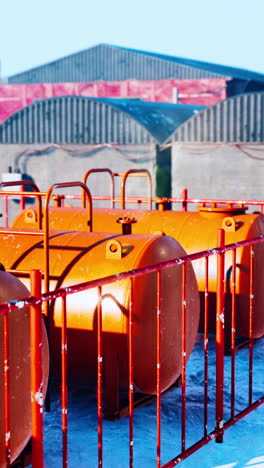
(230, 208)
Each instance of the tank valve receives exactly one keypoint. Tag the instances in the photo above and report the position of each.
(58, 200)
(126, 224)
(162, 203)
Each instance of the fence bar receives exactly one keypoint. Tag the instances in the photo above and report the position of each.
(220, 324)
(22, 200)
(100, 378)
(7, 389)
(183, 356)
(184, 197)
(131, 377)
(36, 371)
(159, 329)
(6, 212)
(64, 388)
(206, 309)
(135, 173)
(251, 310)
(233, 334)
(219, 201)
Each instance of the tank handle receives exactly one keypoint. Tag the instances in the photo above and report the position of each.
(31, 216)
(46, 225)
(139, 173)
(22, 183)
(113, 250)
(229, 224)
(112, 187)
(70, 184)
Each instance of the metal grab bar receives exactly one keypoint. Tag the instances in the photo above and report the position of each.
(105, 170)
(46, 223)
(23, 183)
(136, 173)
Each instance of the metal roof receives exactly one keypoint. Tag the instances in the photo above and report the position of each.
(160, 119)
(223, 70)
(237, 119)
(78, 119)
(108, 62)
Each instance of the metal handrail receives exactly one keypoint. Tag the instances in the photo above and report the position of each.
(136, 173)
(23, 183)
(100, 170)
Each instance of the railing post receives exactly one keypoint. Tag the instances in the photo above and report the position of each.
(64, 389)
(99, 379)
(206, 312)
(233, 334)
(7, 389)
(184, 199)
(36, 372)
(159, 354)
(220, 327)
(250, 325)
(6, 212)
(183, 358)
(22, 199)
(131, 375)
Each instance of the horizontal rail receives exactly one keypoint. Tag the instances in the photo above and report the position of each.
(217, 201)
(213, 435)
(184, 200)
(51, 295)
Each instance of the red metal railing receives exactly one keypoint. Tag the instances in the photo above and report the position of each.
(36, 371)
(220, 423)
(7, 389)
(184, 200)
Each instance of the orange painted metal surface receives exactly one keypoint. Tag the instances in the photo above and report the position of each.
(19, 402)
(77, 257)
(195, 231)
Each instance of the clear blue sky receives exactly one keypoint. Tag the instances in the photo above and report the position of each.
(229, 32)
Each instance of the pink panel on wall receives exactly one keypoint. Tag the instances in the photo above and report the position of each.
(199, 92)
(87, 89)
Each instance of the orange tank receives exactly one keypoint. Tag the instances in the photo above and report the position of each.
(195, 231)
(76, 257)
(12, 288)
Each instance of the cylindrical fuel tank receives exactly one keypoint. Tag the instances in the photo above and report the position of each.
(195, 231)
(76, 257)
(12, 288)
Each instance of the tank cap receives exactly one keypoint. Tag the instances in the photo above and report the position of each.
(126, 224)
(230, 208)
(58, 200)
(162, 203)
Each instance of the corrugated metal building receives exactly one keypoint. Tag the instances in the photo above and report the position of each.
(219, 152)
(110, 63)
(75, 119)
(240, 118)
(81, 133)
